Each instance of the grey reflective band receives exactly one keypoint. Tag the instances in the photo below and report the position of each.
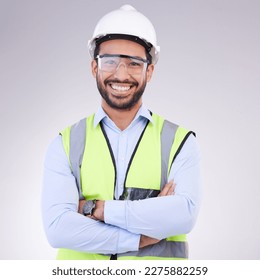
(167, 137)
(166, 249)
(77, 147)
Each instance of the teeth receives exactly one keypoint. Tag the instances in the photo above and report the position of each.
(120, 88)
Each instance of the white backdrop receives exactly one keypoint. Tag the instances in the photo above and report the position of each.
(207, 79)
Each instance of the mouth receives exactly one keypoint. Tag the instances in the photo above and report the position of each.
(121, 88)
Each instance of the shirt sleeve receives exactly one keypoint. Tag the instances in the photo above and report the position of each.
(172, 215)
(64, 226)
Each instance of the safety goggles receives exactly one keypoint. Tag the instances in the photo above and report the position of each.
(111, 63)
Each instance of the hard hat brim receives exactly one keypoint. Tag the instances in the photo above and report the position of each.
(132, 38)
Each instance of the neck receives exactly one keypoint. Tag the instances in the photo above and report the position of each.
(121, 118)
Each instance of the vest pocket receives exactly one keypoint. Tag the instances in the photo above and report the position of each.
(138, 193)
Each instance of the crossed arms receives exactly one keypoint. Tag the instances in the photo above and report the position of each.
(98, 213)
(128, 225)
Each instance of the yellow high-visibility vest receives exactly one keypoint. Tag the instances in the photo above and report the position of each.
(93, 166)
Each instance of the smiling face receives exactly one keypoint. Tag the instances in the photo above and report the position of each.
(119, 89)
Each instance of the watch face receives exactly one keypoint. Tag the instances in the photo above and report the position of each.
(87, 208)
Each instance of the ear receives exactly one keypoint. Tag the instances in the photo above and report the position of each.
(94, 68)
(149, 72)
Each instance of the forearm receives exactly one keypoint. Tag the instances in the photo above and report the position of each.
(64, 226)
(98, 215)
(163, 216)
(155, 217)
(74, 231)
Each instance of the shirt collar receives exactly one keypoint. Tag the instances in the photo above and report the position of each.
(142, 112)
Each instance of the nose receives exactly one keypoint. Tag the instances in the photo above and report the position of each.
(121, 72)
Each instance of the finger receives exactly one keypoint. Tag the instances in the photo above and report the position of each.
(169, 187)
(170, 190)
(173, 187)
(166, 188)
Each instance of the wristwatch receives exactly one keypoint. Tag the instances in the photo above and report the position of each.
(88, 207)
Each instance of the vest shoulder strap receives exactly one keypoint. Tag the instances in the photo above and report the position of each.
(167, 138)
(74, 139)
(173, 137)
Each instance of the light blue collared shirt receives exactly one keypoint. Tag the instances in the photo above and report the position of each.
(125, 221)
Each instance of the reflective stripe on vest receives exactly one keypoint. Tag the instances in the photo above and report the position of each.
(158, 146)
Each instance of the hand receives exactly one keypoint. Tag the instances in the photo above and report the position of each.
(146, 241)
(168, 189)
(98, 213)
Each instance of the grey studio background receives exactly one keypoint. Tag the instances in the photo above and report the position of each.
(207, 79)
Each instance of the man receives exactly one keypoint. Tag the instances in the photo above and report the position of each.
(123, 183)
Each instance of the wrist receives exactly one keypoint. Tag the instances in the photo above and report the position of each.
(88, 207)
(98, 211)
(81, 204)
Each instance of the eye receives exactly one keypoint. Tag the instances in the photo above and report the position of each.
(110, 62)
(135, 64)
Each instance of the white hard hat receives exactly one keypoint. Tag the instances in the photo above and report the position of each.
(126, 22)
